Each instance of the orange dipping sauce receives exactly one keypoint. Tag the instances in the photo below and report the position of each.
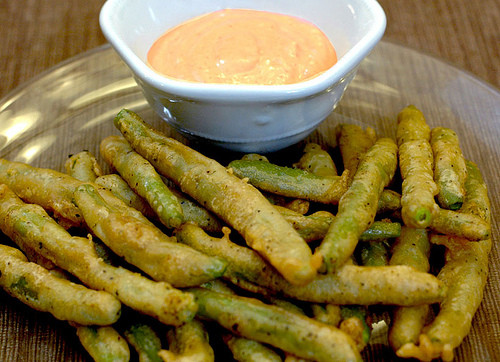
(237, 46)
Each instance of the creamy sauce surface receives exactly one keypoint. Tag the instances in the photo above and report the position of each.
(239, 46)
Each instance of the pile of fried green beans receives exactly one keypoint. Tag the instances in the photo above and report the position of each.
(274, 259)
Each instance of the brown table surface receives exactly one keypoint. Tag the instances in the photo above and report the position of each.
(38, 34)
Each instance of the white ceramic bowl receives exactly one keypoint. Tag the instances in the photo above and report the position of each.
(246, 118)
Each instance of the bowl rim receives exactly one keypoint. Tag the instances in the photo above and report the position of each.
(243, 92)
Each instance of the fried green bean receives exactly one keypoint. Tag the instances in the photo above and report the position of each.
(327, 313)
(353, 143)
(354, 317)
(381, 230)
(247, 350)
(244, 349)
(29, 225)
(51, 189)
(416, 165)
(412, 126)
(36, 287)
(120, 188)
(311, 227)
(314, 226)
(465, 273)
(450, 171)
(298, 205)
(291, 332)
(188, 342)
(412, 248)
(33, 256)
(104, 344)
(461, 224)
(143, 179)
(374, 253)
(389, 201)
(351, 284)
(194, 212)
(145, 341)
(354, 324)
(317, 161)
(358, 206)
(233, 200)
(290, 182)
(144, 245)
(476, 200)
(83, 166)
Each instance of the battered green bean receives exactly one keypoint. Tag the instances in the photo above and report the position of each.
(327, 313)
(465, 273)
(412, 248)
(311, 227)
(450, 171)
(143, 179)
(29, 225)
(194, 212)
(416, 166)
(358, 206)
(145, 341)
(460, 224)
(389, 201)
(104, 344)
(298, 205)
(36, 287)
(120, 188)
(83, 166)
(51, 189)
(247, 350)
(476, 196)
(233, 200)
(353, 143)
(291, 332)
(374, 253)
(381, 230)
(142, 244)
(244, 349)
(412, 126)
(317, 161)
(354, 324)
(188, 342)
(290, 182)
(314, 226)
(351, 284)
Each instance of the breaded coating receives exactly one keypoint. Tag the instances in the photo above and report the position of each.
(450, 171)
(416, 165)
